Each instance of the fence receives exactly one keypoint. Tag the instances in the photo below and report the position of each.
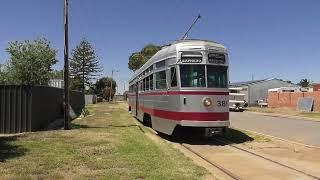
(90, 99)
(33, 108)
(290, 99)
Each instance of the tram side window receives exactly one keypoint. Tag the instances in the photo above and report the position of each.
(161, 82)
(151, 81)
(192, 76)
(147, 83)
(173, 78)
(144, 84)
(160, 64)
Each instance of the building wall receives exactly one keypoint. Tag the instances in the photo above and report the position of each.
(290, 99)
(316, 87)
(58, 83)
(245, 92)
(259, 90)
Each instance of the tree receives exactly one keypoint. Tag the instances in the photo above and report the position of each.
(149, 50)
(101, 85)
(76, 83)
(56, 74)
(138, 59)
(304, 83)
(106, 93)
(30, 62)
(84, 64)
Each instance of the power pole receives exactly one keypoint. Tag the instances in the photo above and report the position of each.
(111, 83)
(66, 69)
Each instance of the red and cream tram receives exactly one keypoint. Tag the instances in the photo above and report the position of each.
(184, 84)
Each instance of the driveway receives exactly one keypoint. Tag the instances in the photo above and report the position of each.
(299, 130)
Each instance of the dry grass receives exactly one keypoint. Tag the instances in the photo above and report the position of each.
(108, 144)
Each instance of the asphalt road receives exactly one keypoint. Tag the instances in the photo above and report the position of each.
(299, 130)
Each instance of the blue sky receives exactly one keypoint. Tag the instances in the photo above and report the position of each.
(265, 39)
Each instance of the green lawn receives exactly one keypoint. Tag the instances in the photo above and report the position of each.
(108, 144)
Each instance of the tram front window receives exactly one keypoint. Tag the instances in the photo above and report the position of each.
(217, 76)
(192, 75)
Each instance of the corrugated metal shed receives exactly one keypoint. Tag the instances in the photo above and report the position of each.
(258, 89)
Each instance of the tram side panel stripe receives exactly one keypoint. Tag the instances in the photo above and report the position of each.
(192, 116)
(180, 93)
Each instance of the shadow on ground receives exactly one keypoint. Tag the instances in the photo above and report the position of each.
(8, 149)
(196, 137)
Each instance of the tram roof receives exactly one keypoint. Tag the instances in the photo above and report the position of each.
(170, 49)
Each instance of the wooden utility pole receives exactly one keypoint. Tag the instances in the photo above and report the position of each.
(66, 69)
(113, 70)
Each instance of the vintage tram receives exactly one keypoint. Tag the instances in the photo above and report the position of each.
(185, 84)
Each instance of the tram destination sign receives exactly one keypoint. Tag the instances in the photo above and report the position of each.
(191, 59)
(216, 58)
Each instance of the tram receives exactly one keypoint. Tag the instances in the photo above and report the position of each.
(185, 84)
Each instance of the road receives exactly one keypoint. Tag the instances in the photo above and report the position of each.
(299, 130)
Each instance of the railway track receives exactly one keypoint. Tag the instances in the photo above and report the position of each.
(233, 175)
(216, 165)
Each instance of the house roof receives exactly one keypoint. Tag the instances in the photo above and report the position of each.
(244, 83)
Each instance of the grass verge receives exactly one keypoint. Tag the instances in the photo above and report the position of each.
(107, 144)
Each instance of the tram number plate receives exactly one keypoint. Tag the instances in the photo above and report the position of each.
(222, 103)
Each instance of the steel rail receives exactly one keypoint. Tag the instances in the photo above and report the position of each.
(228, 142)
(227, 172)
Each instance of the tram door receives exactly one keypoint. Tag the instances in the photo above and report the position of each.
(137, 100)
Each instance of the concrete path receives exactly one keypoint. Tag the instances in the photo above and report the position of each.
(299, 130)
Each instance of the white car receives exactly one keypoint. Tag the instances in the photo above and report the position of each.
(236, 100)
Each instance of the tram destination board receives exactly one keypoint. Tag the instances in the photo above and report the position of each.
(191, 57)
(216, 58)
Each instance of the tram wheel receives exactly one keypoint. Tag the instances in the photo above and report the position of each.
(147, 120)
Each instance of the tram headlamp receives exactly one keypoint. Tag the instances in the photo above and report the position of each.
(207, 102)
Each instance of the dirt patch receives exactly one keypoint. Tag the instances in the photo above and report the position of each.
(294, 155)
(248, 166)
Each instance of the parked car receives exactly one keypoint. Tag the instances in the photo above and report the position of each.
(236, 100)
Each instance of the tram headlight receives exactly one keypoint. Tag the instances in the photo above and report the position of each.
(207, 102)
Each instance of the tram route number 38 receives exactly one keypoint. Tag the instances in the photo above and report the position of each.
(222, 103)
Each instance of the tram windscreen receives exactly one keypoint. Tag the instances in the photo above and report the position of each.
(192, 75)
(217, 76)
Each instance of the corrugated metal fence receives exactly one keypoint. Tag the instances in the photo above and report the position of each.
(15, 109)
(33, 108)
